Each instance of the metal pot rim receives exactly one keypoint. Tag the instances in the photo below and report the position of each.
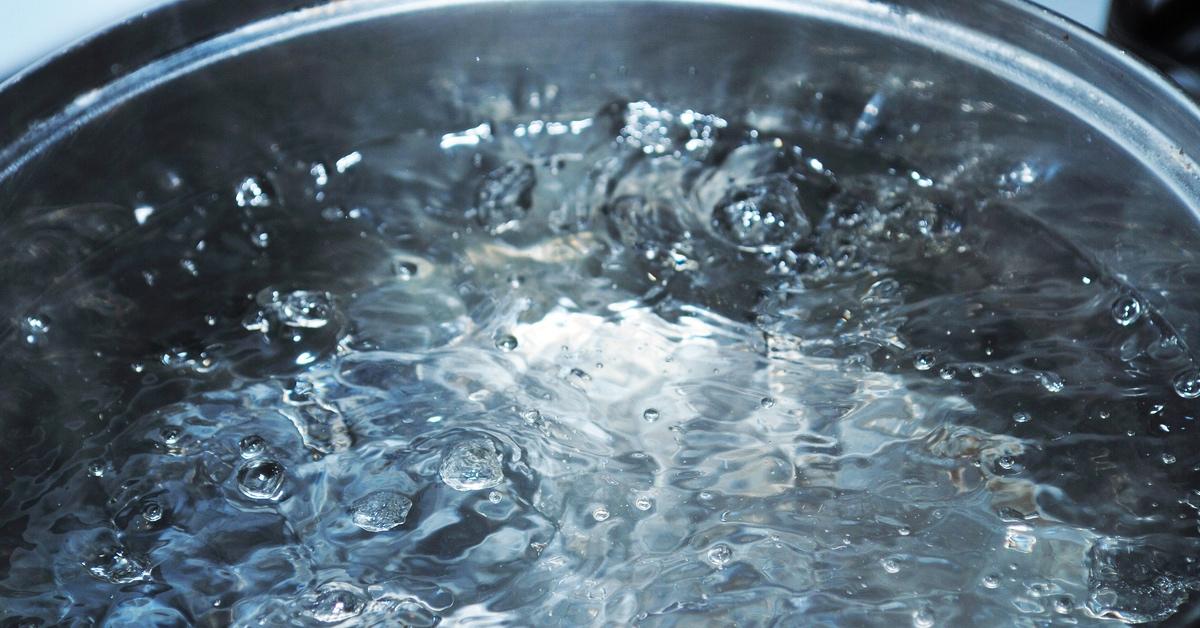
(1060, 61)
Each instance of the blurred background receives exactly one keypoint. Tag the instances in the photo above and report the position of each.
(31, 30)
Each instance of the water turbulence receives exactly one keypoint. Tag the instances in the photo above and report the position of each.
(650, 366)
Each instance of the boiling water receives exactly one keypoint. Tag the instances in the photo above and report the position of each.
(649, 366)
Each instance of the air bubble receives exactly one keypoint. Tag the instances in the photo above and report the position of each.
(643, 503)
(472, 465)
(252, 446)
(336, 602)
(1022, 417)
(1050, 381)
(251, 192)
(600, 513)
(299, 309)
(152, 512)
(260, 238)
(506, 342)
(1187, 384)
(578, 376)
(650, 415)
(171, 434)
(761, 217)
(405, 270)
(924, 361)
(260, 479)
(1126, 310)
(35, 329)
(923, 618)
(319, 173)
(380, 511)
(113, 565)
(719, 555)
(505, 196)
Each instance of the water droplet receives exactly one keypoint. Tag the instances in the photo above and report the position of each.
(1022, 417)
(252, 445)
(251, 192)
(762, 217)
(472, 465)
(890, 565)
(650, 415)
(924, 361)
(336, 602)
(991, 581)
(1187, 384)
(1006, 462)
(96, 469)
(977, 371)
(1126, 310)
(260, 479)
(380, 511)
(643, 503)
(495, 497)
(1063, 605)
(152, 512)
(719, 555)
(766, 402)
(948, 373)
(1168, 458)
(506, 343)
(600, 513)
(904, 531)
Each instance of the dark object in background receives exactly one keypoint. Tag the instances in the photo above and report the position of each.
(1164, 32)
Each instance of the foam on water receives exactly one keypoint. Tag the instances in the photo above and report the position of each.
(653, 366)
